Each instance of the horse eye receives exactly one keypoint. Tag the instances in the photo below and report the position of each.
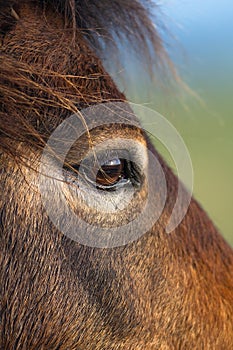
(110, 174)
(107, 171)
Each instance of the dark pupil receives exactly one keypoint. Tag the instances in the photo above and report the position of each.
(111, 172)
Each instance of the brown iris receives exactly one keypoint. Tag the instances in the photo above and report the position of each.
(111, 172)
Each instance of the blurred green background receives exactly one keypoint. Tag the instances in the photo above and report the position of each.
(201, 45)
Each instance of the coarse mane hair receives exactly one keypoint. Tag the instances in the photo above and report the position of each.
(37, 79)
(102, 22)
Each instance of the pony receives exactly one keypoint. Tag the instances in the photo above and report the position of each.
(160, 291)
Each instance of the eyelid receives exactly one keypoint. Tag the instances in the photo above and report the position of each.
(101, 156)
(130, 149)
(134, 150)
(79, 190)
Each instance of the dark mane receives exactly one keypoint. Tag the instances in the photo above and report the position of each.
(104, 23)
(36, 64)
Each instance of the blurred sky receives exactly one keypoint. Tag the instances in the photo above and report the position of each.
(205, 29)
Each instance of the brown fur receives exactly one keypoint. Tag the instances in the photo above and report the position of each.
(161, 292)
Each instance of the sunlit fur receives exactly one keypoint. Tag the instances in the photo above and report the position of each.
(161, 292)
